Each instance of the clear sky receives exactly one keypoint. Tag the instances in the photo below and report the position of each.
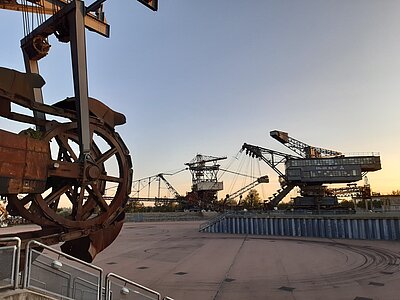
(207, 76)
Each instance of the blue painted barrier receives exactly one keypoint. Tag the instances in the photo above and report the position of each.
(338, 227)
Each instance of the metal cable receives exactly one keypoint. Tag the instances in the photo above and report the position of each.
(259, 172)
(24, 17)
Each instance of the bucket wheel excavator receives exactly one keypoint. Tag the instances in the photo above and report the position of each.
(82, 162)
(310, 169)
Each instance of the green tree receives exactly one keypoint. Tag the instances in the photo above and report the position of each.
(285, 205)
(377, 203)
(226, 202)
(252, 200)
(360, 204)
(396, 193)
(347, 204)
(134, 206)
(231, 202)
(164, 205)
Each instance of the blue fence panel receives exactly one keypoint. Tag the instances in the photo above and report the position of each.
(318, 226)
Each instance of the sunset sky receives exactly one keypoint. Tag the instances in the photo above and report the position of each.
(207, 76)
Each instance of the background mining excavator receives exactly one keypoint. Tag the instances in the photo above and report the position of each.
(310, 169)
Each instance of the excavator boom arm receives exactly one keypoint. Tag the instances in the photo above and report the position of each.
(301, 148)
(271, 157)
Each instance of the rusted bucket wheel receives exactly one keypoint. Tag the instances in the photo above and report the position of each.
(97, 195)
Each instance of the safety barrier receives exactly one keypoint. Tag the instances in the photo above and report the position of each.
(118, 287)
(9, 262)
(52, 272)
(347, 227)
(168, 216)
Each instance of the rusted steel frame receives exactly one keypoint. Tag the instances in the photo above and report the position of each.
(25, 119)
(49, 26)
(116, 207)
(91, 21)
(27, 103)
(36, 106)
(86, 248)
(23, 163)
(66, 170)
(26, 8)
(77, 39)
(37, 216)
(43, 212)
(69, 22)
(72, 174)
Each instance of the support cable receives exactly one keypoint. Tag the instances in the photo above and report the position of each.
(241, 163)
(248, 167)
(259, 174)
(231, 161)
(240, 174)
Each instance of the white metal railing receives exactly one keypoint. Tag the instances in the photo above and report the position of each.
(127, 287)
(15, 254)
(47, 271)
(361, 154)
(56, 277)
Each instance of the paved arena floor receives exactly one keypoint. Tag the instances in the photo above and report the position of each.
(176, 260)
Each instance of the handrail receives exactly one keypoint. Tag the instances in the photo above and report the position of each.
(108, 283)
(100, 280)
(28, 258)
(17, 259)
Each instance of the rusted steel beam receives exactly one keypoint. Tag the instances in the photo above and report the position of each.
(36, 106)
(91, 21)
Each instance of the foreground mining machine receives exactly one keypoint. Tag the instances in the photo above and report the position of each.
(79, 162)
(310, 170)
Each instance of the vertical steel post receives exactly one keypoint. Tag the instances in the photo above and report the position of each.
(79, 70)
(32, 66)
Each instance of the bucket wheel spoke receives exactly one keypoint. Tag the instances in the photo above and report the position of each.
(105, 156)
(111, 178)
(54, 197)
(28, 209)
(77, 207)
(98, 197)
(65, 150)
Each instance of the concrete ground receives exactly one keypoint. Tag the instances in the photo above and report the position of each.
(176, 260)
